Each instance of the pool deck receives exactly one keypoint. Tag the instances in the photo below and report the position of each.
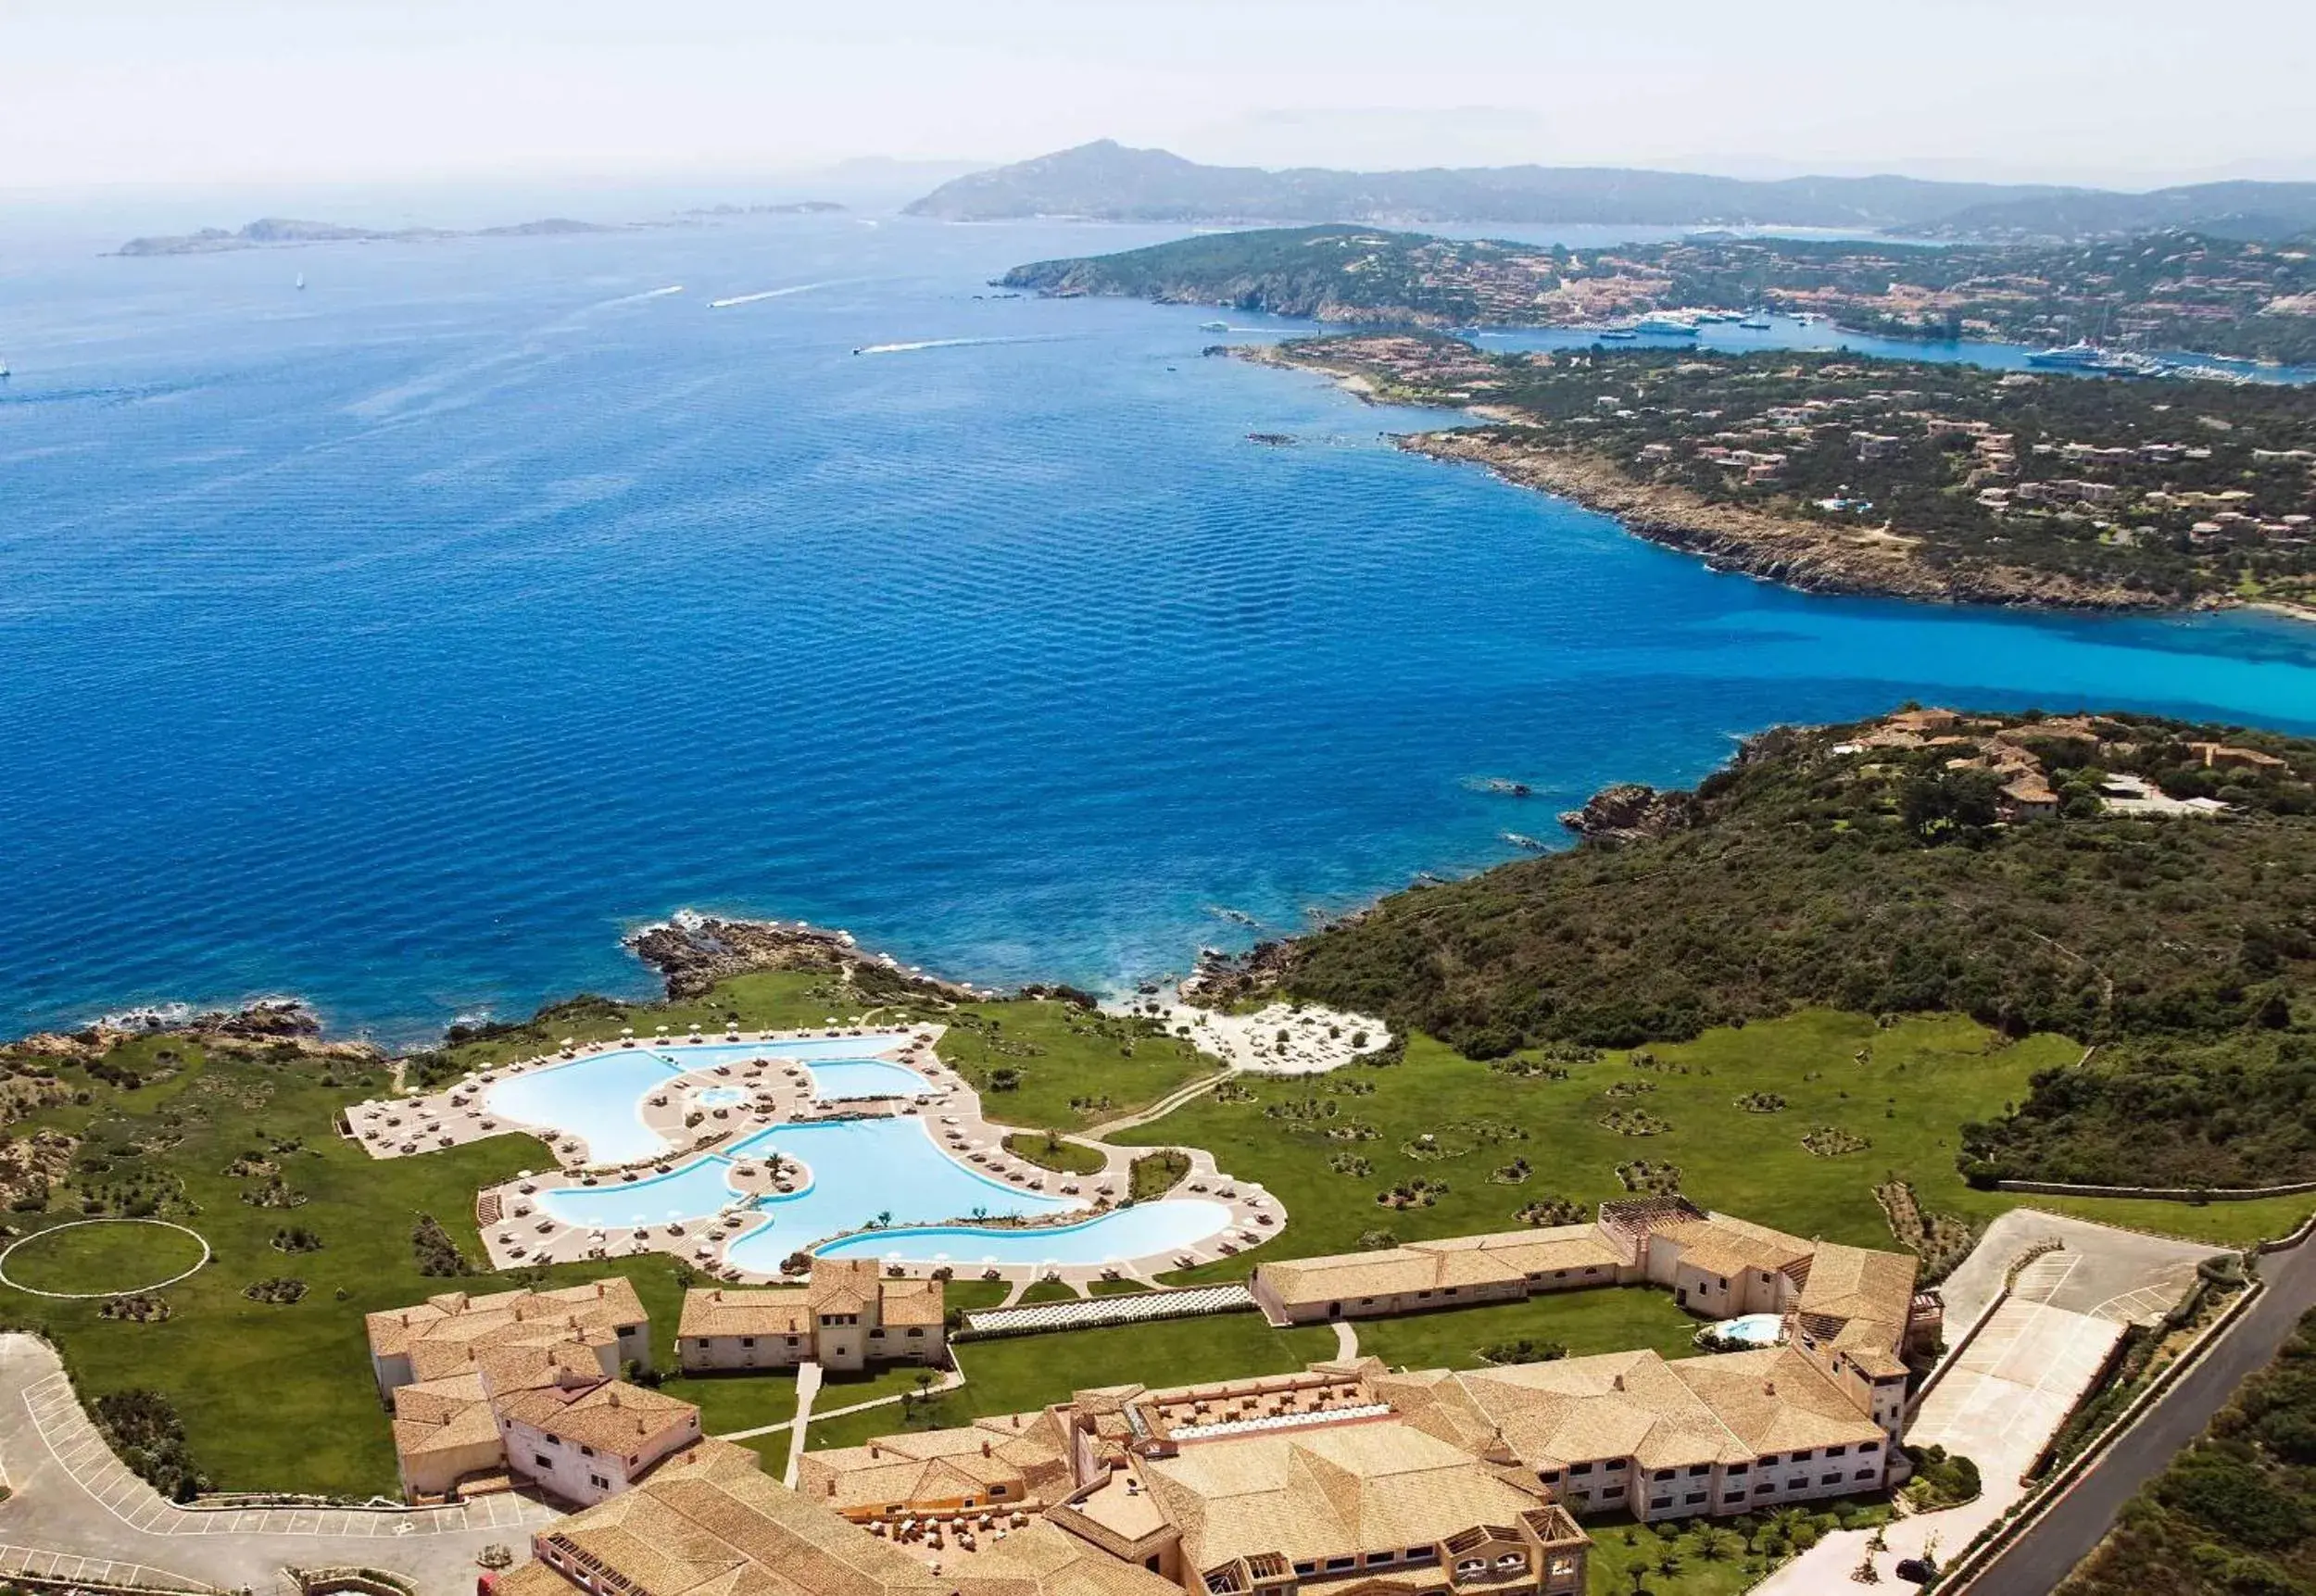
(517, 1230)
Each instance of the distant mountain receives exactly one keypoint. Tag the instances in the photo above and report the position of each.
(2238, 211)
(271, 232)
(1108, 182)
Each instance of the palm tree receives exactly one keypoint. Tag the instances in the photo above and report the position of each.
(1668, 1563)
(1638, 1573)
(1716, 1544)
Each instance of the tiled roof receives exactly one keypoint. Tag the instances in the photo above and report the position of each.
(1327, 1490)
(1722, 1245)
(610, 1416)
(1498, 1259)
(1044, 1561)
(1726, 1408)
(687, 1531)
(1871, 1292)
(734, 1311)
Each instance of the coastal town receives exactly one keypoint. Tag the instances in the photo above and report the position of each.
(1851, 475)
(2129, 300)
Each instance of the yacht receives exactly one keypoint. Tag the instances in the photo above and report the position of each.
(1755, 323)
(2080, 356)
(1667, 326)
(1213, 326)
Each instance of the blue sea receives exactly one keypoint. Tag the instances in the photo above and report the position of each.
(401, 641)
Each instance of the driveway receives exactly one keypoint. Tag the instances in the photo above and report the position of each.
(2003, 1396)
(76, 1511)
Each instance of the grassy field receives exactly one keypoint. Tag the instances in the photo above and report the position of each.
(1612, 1320)
(241, 1147)
(108, 1257)
(1915, 1085)
(1018, 1373)
(1048, 1150)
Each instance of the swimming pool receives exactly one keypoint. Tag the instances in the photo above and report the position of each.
(860, 1169)
(593, 1097)
(719, 1097)
(1147, 1229)
(1752, 1329)
(843, 1079)
(599, 1098)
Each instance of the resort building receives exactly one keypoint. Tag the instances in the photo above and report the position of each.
(520, 1387)
(1268, 1486)
(847, 1317)
(1453, 1272)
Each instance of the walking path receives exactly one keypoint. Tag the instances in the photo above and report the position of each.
(75, 1507)
(807, 1387)
(1346, 1340)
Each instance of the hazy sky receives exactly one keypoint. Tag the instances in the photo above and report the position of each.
(251, 90)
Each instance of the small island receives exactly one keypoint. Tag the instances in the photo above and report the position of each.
(276, 232)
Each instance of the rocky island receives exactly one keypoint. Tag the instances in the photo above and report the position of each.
(1912, 480)
(274, 232)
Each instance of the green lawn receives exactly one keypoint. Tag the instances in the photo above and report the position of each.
(115, 1257)
(281, 1398)
(737, 1400)
(1613, 1319)
(1706, 1557)
(1019, 1373)
(1117, 1287)
(1048, 1150)
(1920, 1080)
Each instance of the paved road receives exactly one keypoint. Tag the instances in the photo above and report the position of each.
(2065, 1535)
(77, 1510)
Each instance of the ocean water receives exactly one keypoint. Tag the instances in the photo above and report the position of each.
(400, 642)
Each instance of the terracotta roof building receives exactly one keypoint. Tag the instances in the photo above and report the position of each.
(519, 1387)
(847, 1317)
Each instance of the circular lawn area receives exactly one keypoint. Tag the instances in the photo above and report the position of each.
(101, 1257)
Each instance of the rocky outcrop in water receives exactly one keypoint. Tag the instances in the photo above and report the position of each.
(691, 952)
(1630, 811)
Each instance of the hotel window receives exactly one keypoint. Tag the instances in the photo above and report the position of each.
(1423, 1554)
(747, 1340)
(1867, 1473)
(1802, 1456)
(1693, 1497)
(1470, 1567)
(599, 1483)
(1659, 1503)
(1763, 1489)
(1374, 1557)
(586, 1452)
(877, 1334)
(1698, 1468)
(1612, 1492)
(554, 1441)
(1548, 1476)
(1580, 1468)
(1835, 1451)
(1662, 1474)
(792, 1340)
(1865, 1446)
(1336, 1562)
(1724, 1284)
(914, 1335)
(1737, 1468)
(1735, 1493)
(1423, 1296)
(1306, 1568)
(1830, 1479)
(542, 1460)
(996, 1491)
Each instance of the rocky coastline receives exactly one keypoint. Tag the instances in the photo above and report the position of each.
(1808, 556)
(691, 952)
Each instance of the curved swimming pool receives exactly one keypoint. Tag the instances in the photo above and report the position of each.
(599, 1098)
(1147, 1229)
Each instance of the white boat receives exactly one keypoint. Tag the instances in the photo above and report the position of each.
(301, 282)
(3, 366)
(1213, 326)
(1666, 326)
(1755, 324)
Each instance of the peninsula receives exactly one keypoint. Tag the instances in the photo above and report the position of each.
(1916, 480)
(2174, 290)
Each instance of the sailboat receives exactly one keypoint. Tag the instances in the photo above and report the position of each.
(3, 367)
(301, 282)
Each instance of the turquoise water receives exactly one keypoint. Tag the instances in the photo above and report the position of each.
(400, 642)
(842, 1082)
(888, 1171)
(720, 1097)
(595, 1097)
(1147, 1229)
(598, 1097)
(1755, 1329)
